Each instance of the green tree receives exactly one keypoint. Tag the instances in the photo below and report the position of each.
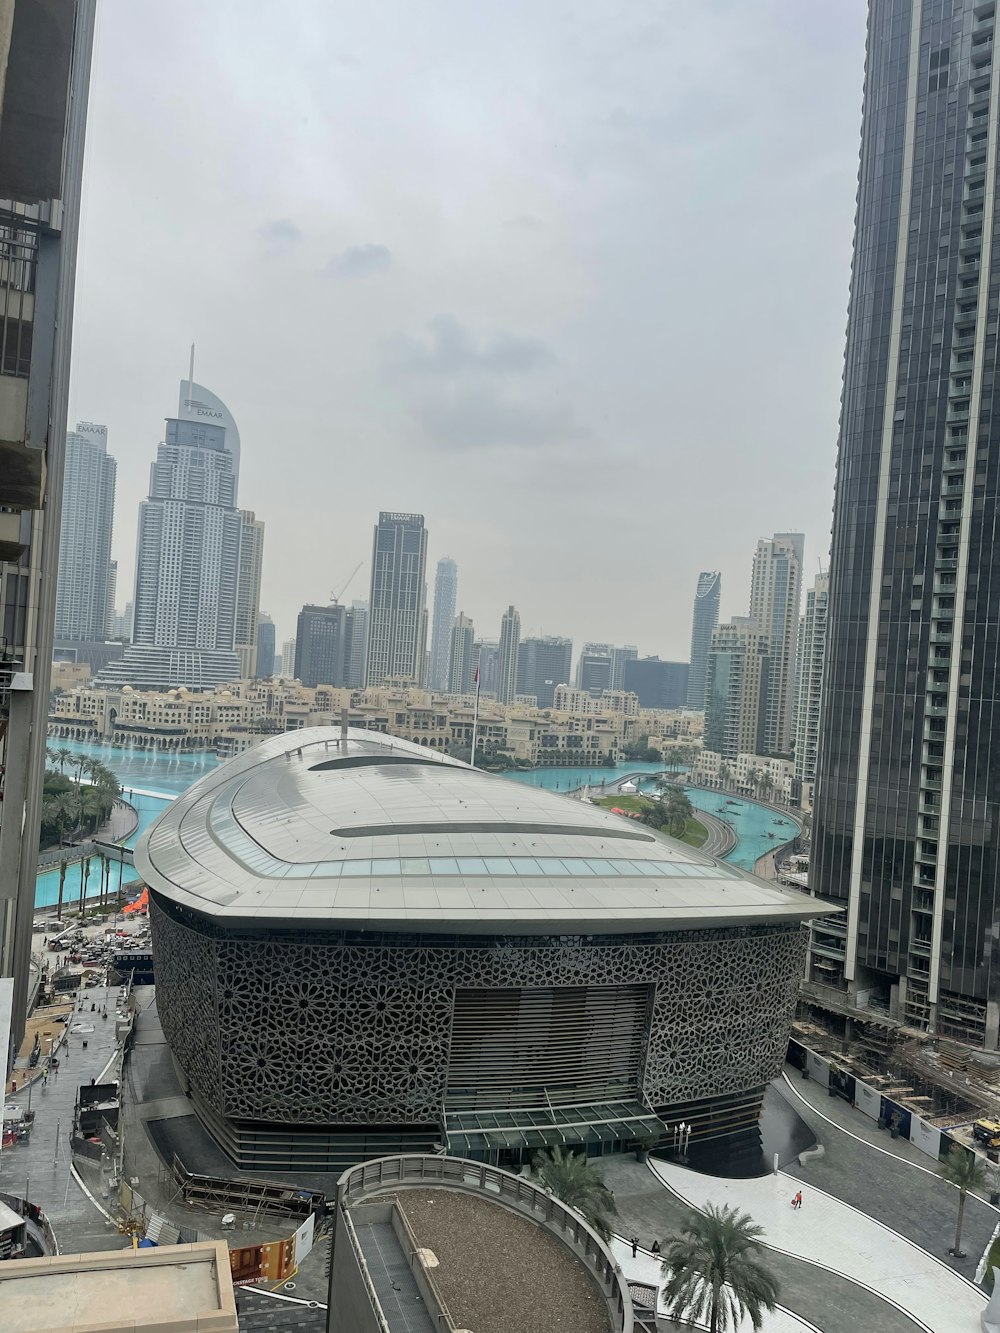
(963, 1169)
(84, 877)
(713, 1271)
(92, 807)
(766, 785)
(679, 810)
(62, 880)
(64, 756)
(725, 774)
(573, 1180)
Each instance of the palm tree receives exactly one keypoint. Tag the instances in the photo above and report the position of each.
(571, 1178)
(712, 1271)
(766, 784)
(66, 812)
(84, 877)
(63, 755)
(62, 880)
(725, 774)
(753, 778)
(963, 1169)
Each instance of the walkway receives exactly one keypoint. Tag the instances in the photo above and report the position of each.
(835, 1237)
(889, 1179)
(394, 1284)
(645, 1268)
(825, 1300)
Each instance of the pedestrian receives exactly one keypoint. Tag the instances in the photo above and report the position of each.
(45, 1076)
(635, 1246)
(797, 1200)
(655, 1247)
(13, 1085)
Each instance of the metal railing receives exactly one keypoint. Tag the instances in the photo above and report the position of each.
(369, 1178)
(442, 1314)
(366, 1278)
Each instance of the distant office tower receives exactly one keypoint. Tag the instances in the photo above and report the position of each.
(445, 601)
(112, 593)
(319, 645)
(355, 644)
(658, 684)
(907, 825)
(737, 689)
(288, 659)
(619, 658)
(265, 645)
(510, 640)
(544, 664)
(809, 688)
(85, 603)
(775, 601)
(397, 625)
(188, 557)
(460, 665)
(594, 670)
(486, 660)
(423, 651)
(248, 591)
(703, 622)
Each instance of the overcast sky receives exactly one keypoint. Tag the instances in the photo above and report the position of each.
(570, 279)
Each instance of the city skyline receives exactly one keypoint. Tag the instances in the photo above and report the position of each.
(500, 318)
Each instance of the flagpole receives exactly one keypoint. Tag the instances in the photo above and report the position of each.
(475, 721)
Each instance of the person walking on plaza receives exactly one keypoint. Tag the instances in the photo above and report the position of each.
(635, 1246)
(797, 1201)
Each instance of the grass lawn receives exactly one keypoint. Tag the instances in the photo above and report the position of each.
(694, 834)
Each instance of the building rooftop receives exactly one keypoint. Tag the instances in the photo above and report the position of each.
(170, 1286)
(377, 833)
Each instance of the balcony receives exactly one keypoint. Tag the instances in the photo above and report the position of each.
(953, 465)
(13, 534)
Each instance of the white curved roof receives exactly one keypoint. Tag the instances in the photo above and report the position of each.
(384, 834)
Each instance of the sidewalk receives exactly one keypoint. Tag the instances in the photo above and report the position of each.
(888, 1179)
(834, 1236)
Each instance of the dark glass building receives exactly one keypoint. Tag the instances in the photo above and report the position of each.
(703, 621)
(542, 664)
(908, 805)
(319, 645)
(658, 684)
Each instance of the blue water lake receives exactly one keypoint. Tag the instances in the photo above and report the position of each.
(151, 781)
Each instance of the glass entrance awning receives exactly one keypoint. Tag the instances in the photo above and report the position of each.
(468, 1132)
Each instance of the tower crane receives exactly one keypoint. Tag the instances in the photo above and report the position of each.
(336, 596)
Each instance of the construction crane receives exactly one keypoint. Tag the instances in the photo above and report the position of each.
(336, 596)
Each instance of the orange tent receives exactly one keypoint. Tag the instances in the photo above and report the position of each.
(141, 904)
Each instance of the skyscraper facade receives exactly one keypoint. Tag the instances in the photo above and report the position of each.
(265, 645)
(248, 591)
(445, 601)
(510, 642)
(594, 668)
(461, 665)
(319, 645)
(288, 659)
(907, 823)
(809, 688)
(544, 664)
(736, 689)
(355, 644)
(486, 660)
(657, 684)
(396, 612)
(84, 598)
(112, 593)
(775, 603)
(704, 620)
(188, 555)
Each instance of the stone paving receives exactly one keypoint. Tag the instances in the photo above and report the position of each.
(828, 1301)
(888, 1179)
(830, 1233)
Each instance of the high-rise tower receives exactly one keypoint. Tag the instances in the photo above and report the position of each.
(907, 824)
(775, 599)
(265, 646)
(703, 621)
(809, 687)
(320, 640)
(445, 601)
(510, 641)
(84, 599)
(188, 555)
(396, 619)
(248, 592)
(460, 666)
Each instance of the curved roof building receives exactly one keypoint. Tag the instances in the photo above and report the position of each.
(362, 946)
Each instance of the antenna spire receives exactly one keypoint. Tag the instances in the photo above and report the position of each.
(191, 376)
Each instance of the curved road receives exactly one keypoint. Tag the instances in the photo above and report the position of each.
(721, 836)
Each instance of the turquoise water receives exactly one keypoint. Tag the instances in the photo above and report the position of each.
(159, 778)
(151, 781)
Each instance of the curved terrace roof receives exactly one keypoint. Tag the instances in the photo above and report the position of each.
(387, 835)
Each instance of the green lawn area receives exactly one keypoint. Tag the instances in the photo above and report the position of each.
(694, 834)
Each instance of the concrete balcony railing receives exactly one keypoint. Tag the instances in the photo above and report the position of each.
(368, 1179)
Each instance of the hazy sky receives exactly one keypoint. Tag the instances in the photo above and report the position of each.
(569, 279)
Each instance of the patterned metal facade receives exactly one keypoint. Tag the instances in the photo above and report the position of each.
(309, 1028)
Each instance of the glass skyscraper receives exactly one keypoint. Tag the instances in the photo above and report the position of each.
(703, 621)
(397, 623)
(85, 600)
(907, 825)
(445, 602)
